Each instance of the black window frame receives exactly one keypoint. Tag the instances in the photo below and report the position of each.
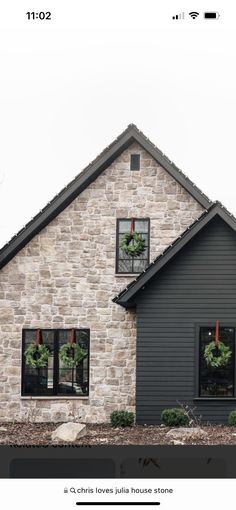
(210, 324)
(135, 162)
(132, 258)
(56, 364)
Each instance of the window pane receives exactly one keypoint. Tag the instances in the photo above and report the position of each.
(48, 340)
(124, 226)
(30, 336)
(216, 382)
(39, 381)
(64, 336)
(122, 254)
(82, 371)
(36, 382)
(74, 381)
(144, 254)
(66, 380)
(82, 337)
(139, 265)
(125, 266)
(141, 226)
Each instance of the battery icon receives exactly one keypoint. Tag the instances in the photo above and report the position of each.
(211, 15)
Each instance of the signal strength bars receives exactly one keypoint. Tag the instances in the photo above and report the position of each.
(179, 16)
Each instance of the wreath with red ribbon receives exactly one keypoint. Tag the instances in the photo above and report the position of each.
(71, 353)
(132, 244)
(37, 354)
(216, 353)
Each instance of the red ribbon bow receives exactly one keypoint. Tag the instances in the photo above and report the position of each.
(132, 226)
(72, 337)
(217, 334)
(38, 337)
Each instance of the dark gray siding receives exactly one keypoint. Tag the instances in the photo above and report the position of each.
(195, 288)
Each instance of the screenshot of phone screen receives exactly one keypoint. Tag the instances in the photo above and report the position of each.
(117, 254)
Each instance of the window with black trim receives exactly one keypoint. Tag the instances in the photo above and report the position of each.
(57, 378)
(216, 381)
(132, 264)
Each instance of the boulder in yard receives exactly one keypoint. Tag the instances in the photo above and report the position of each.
(69, 432)
(184, 432)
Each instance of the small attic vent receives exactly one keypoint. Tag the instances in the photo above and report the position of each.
(135, 162)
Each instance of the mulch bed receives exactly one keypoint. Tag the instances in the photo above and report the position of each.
(104, 434)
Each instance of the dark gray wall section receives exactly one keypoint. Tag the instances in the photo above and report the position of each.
(195, 288)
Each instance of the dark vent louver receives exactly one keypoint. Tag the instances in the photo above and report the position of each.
(135, 162)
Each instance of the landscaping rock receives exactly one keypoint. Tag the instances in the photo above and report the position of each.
(184, 432)
(69, 432)
(3, 429)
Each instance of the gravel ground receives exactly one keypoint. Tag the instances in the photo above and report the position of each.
(104, 434)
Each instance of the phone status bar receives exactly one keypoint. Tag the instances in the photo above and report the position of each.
(194, 15)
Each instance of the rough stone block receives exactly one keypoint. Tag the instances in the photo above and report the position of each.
(69, 432)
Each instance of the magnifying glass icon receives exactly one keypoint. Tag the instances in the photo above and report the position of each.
(72, 489)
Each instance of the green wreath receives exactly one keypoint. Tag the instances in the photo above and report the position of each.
(36, 356)
(71, 354)
(136, 248)
(221, 358)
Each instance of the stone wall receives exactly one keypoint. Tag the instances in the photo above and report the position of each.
(65, 277)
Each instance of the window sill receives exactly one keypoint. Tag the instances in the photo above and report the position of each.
(133, 275)
(54, 398)
(214, 398)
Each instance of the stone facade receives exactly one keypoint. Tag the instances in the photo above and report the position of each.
(65, 277)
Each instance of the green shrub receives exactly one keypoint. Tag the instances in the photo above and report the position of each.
(122, 418)
(232, 418)
(174, 417)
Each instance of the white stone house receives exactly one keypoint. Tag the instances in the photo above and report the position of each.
(60, 274)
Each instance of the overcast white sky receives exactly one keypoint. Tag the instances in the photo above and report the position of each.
(69, 86)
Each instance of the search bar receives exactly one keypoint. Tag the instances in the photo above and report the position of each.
(127, 503)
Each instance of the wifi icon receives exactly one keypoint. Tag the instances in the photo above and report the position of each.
(194, 14)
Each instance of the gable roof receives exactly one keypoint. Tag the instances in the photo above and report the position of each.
(86, 177)
(127, 296)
